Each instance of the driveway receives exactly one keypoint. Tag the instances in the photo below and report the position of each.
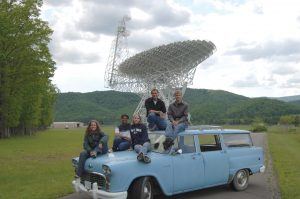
(261, 186)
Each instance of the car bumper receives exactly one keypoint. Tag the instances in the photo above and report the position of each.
(96, 193)
(262, 169)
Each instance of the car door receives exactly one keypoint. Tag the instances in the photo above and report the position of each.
(188, 168)
(216, 165)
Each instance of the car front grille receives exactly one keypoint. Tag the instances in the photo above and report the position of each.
(94, 177)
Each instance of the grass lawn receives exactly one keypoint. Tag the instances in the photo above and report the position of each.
(284, 145)
(40, 166)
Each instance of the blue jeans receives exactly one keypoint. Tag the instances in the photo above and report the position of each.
(173, 131)
(84, 155)
(154, 119)
(120, 144)
(142, 148)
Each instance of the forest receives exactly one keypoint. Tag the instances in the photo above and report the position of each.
(206, 107)
(27, 94)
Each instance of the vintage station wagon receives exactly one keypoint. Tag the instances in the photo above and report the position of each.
(198, 159)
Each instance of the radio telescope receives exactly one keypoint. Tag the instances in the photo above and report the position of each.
(166, 67)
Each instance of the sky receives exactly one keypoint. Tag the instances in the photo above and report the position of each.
(258, 41)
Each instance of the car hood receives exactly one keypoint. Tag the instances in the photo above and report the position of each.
(114, 159)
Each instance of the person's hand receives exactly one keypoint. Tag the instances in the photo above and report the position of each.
(100, 146)
(152, 111)
(161, 114)
(174, 123)
(93, 153)
(118, 135)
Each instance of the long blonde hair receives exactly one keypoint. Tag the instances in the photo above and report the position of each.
(136, 115)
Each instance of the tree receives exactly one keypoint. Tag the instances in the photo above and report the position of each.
(286, 120)
(26, 66)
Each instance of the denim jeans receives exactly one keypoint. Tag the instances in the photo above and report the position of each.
(173, 131)
(120, 144)
(154, 119)
(142, 148)
(84, 155)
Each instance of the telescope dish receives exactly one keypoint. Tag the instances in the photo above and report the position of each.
(166, 67)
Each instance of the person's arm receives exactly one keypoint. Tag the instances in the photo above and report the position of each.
(86, 145)
(170, 114)
(147, 106)
(184, 118)
(145, 134)
(103, 139)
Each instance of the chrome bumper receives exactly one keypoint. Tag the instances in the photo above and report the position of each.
(96, 193)
(262, 169)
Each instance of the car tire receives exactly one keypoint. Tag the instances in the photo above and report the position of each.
(241, 180)
(141, 188)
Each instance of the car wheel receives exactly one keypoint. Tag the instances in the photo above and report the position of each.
(241, 180)
(141, 188)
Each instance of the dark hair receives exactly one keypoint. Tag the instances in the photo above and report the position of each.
(88, 131)
(124, 115)
(154, 89)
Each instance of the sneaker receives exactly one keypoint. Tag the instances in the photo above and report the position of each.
(156, 145)
(168, 143)
(147, 159)
(76, 176)
(140, 157)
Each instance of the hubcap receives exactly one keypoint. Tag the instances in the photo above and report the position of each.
(242, 178)
(147, 190)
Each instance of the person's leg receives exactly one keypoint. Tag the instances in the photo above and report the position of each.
(169, 129)
(82, 158)
(116, 143)
(146, 147)
(152, 118)
(178, 129)
(161, 124)
(124, 145)
(138, 149)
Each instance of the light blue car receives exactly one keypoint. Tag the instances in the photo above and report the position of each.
(198, 159)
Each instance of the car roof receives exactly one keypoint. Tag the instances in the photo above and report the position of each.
(197, 130)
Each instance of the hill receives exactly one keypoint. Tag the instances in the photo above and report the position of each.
(289, 98)
(206, 107)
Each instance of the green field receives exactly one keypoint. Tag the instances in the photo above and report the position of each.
(40, 166)
(284, 145)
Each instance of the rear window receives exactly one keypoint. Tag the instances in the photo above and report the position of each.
(237, 140)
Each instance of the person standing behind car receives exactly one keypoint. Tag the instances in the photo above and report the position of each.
(95, 142)
(140, 140)
(122, 139)
(156, 112)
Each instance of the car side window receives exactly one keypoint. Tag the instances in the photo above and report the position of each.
(209, 142)
(186, 144)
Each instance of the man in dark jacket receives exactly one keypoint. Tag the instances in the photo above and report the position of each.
(156, 112)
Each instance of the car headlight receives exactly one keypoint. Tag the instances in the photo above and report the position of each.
(106, 170)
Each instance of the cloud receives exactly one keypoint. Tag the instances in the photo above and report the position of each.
(71, 55)
(287, 50)
(58, 2)
(98, 18)
(284, 69)
(249, 81)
